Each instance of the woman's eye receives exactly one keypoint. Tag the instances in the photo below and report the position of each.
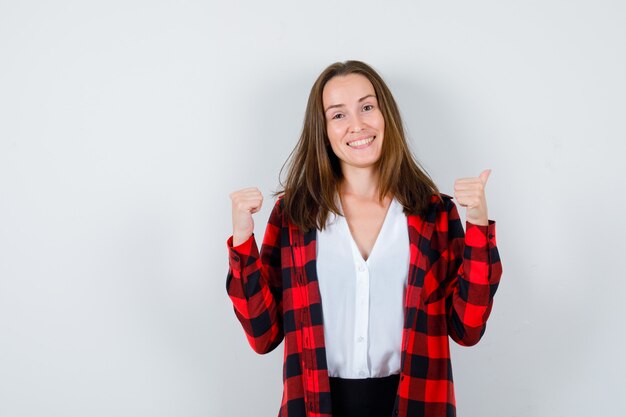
(338, 116)
(368, 107)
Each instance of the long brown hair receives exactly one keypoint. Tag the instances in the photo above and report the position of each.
(314, 173)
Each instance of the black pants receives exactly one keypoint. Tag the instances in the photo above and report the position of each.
(369, 397)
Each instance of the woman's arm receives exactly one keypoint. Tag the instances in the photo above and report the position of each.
(254, 285)
(474, 271)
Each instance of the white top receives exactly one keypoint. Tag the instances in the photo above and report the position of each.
(363, 301)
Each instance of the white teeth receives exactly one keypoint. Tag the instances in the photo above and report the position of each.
(361, 142)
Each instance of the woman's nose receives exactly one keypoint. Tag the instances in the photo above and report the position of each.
(357, 124)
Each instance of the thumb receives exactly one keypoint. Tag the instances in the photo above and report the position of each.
(484, 175)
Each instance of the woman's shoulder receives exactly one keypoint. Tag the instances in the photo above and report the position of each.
(280, 201)
(278, 211)
(276, 215)
(441, 205)
(440, 200)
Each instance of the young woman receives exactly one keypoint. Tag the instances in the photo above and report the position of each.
(365, 269)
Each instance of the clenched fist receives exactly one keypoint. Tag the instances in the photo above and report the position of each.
(245, 202)
(470, 193)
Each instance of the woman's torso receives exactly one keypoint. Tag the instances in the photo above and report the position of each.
(362, 296)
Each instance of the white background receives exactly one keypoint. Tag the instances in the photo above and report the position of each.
(124, 125)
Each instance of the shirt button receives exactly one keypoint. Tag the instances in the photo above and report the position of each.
(360, 339)
(362, 373)
(361, 267)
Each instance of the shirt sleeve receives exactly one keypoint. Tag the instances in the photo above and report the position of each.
(254, 285)
(474, 271)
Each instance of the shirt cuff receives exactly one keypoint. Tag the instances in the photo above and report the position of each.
(477, 235)
(238, 255)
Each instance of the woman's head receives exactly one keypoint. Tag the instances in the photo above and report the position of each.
(345, 83)
(355, 126)
(316, 164)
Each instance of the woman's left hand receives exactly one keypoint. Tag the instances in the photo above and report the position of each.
(470, 193)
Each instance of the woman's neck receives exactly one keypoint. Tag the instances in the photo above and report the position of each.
(361, 183)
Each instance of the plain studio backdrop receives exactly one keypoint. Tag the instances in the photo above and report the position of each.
(124, 125)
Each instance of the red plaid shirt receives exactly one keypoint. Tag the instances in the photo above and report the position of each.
(452, 279)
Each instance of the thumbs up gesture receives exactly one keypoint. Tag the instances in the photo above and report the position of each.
(470, 193)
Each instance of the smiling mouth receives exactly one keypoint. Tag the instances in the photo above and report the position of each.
(361, 142)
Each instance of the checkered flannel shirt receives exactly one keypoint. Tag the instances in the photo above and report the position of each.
(452, 279)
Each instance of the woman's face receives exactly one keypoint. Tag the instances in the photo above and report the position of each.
(354, 122)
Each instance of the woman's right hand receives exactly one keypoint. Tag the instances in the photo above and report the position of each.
(245, 202)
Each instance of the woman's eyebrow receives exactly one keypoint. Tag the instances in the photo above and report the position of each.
(341, 105)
